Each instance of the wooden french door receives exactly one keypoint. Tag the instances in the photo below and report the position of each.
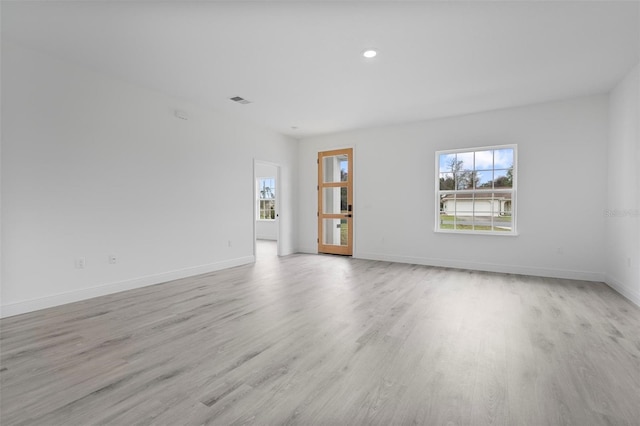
(335, 202)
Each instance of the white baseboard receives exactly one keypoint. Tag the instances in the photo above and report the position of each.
(632, 296)
(308, 250)
(286, 251)
(22, 307)
(488, 267)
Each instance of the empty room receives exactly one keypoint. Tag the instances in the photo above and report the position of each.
(320, 213)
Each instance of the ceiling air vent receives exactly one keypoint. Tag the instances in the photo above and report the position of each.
(240, 100)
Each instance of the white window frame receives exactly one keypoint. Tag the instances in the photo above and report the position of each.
(512, 191)
(259, 199)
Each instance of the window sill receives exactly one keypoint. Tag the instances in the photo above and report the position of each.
(492, 233)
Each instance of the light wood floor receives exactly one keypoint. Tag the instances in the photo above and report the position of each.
(309, 339)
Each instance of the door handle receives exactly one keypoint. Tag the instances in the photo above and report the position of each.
(348, 215)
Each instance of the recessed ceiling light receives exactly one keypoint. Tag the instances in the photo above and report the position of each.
(369, 53)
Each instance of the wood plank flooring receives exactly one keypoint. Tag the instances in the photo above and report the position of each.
(309, 339)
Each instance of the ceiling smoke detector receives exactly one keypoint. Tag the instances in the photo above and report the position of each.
(240, 100)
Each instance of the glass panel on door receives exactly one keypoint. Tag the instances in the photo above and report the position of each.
(336, 232)
(335, 168)
(334, 200)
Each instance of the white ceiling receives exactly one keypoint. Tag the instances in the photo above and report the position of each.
(300, 64)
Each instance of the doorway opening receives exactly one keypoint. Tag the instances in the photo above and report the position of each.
(266, 201)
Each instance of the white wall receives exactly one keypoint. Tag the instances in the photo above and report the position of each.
(267, 229)
(93, 166)
(623, 201)
(561, 190)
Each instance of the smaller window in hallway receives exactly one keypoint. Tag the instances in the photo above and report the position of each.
(266, 198)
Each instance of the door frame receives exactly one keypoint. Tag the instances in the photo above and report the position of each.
(348, 250)
(278, 203)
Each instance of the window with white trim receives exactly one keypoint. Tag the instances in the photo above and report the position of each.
(476, 190)
(266, 198)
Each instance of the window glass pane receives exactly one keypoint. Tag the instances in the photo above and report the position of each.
(465, 179)
(464, 219)
(267, 188)
(502, 179)
(503, 204)
(446, 217)
(447, 204)
(503, 158)
(447, 181)
(484, 160)
(483, 211)
(465, 160)
(463, 216)
(502, 223)
(447, 162)
(267, 209)
(484, 179)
